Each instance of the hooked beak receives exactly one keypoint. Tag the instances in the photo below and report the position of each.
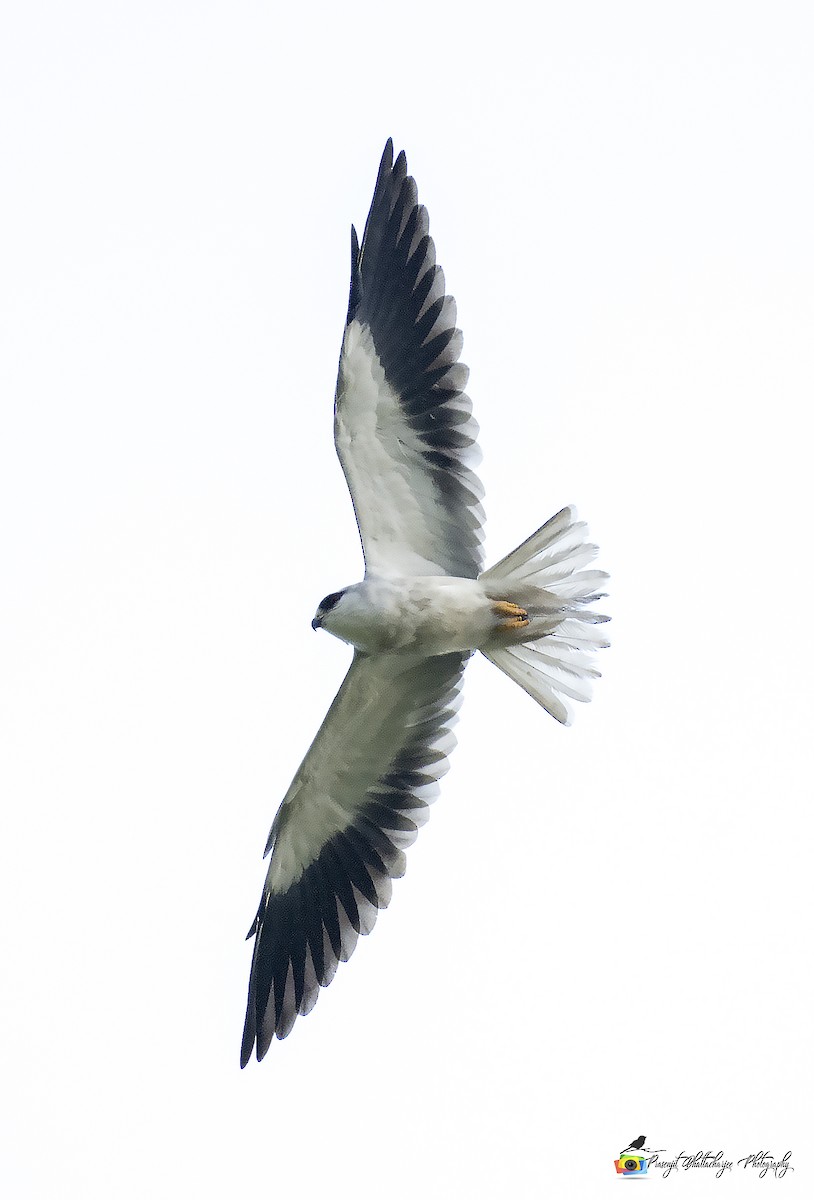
(316, 623)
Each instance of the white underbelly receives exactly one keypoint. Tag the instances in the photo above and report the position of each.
(428, 614)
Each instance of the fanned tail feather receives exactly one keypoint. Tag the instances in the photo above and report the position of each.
(551, 658)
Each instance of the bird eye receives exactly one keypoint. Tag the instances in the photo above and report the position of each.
(328, 603)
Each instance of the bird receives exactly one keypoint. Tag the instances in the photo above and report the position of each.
(407, 443)
(636, 1144)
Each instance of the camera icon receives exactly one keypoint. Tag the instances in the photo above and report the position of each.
(631, 1164)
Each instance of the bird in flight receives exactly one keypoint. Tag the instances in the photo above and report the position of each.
(407, 442)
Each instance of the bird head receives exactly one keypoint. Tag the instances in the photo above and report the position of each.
(327, 605)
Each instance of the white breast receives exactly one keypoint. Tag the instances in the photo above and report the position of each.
(430, 614)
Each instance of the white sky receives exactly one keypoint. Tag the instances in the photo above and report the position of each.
(601, 930)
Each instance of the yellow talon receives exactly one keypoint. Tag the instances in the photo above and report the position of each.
(513, 616)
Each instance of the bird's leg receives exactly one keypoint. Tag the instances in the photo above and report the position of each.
(512, 616)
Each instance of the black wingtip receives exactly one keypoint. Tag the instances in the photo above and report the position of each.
(249, 1029)
(383, 181)
(387, 157)
(355, 297)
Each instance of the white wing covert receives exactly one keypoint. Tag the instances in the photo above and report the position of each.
(403, 425)
(337, 841)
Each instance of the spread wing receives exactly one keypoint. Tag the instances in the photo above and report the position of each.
(404, 429)
(338, 839)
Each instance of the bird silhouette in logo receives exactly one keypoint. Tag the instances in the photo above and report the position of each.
(636, 1144)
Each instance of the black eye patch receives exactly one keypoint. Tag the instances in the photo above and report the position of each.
(328, 603)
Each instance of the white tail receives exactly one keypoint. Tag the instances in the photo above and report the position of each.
(551, 658)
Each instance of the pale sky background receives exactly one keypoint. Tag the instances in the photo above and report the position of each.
(602, 929)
